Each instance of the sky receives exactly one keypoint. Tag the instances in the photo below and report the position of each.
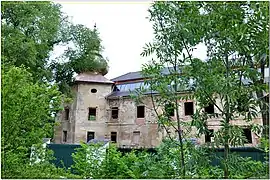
(124, 31)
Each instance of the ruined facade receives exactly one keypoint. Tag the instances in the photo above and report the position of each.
(102, 109)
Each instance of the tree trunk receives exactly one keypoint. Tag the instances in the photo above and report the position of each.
(226, 155)
(265, 113)
(227, 123)
(263, 105)
(182, 160)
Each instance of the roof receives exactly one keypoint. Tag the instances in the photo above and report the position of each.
(127, 85)
(92, 77)
(137, 75)
(125, 89)
(129, 76)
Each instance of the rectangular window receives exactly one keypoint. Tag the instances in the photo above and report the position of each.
(140, 111)
(115, 112)
(247, 134)
(169, 108)
(208, 135)
(92, 114)
(90, 136)
(136, 137)
(64, 136)
(66, 113)
(188, 108)
(114, 137)
(209, 109)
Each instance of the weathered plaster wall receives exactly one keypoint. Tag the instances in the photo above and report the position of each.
(127, 122)
(66, 125)
(86, 99)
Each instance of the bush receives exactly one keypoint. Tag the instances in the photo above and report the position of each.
(15, 167)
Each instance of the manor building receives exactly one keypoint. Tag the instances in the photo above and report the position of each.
(103, 109)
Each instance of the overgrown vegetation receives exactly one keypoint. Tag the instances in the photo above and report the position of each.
(34, 85)
(231, 79)
(91, 161)
(31, 31)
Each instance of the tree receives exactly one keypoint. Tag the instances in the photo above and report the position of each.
(244, 33)
(30, 32)
(30, 96)
(82, 55)
(163, 75)
(28, 112)
(97, 161)
(178, 27)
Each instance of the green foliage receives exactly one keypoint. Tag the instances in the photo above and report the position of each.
(264, 145)
(94, 161)
(197, 161)
(164, 164)
(227, 79)
(30, 97)
(83, 54)
(244, 167)
(28, 112)
(87, 161)
(15, 167)
(31, 31)
(115, 166)
(87, 55)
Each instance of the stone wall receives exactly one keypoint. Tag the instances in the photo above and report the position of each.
(131, 131)
(85, 100)
(127, 124)
(66, 124)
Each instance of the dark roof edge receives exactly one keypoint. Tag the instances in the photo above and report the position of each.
(115, 79)
(111, 96)
(88, 82)
(129, 80)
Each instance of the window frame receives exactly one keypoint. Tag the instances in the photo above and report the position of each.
(64, 136)
(117, 114)
(209, 107)
(66, 116)
(114, 134)
(188, 102)
(87, 136)
(138, 133)
(249, 141)
(138, 115)
(94, 117)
